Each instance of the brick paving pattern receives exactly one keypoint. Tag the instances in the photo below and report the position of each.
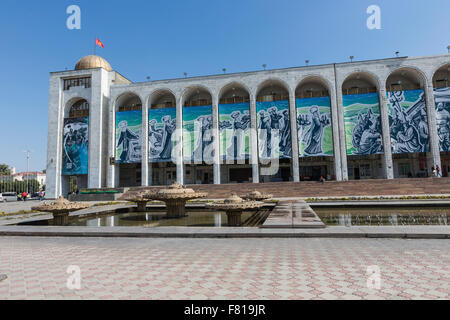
(224, 268)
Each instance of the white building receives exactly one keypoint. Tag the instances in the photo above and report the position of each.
(25, 176)
(385, 118)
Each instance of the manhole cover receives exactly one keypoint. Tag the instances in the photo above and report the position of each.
(3, 277)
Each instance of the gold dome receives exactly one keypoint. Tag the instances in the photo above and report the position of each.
(92, 62)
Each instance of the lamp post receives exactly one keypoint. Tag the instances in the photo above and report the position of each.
(28, 169)
(351, 58)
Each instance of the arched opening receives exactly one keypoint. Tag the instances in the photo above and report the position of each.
(128, 144)
(198, 140)
(363, 131)
(274, 131)
(161, 130)
(314, 130)
(441, 83)
(408, 123)
(234, 127)
(75, 146)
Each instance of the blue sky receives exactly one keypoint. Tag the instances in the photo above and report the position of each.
(163, 39)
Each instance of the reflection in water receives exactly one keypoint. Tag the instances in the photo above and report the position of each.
(384, 216)
(158, 219)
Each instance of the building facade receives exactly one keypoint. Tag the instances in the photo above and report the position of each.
(375, 119)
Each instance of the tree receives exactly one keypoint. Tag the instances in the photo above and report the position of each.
(4, 170)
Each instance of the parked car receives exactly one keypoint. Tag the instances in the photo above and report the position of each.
(9, 196)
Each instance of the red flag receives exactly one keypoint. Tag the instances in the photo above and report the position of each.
(99, 43)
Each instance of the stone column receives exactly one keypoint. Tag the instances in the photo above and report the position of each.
(97, 105)
(387, 148)
(342, 138)
(54, 139)
(146, 169)
(216, 136)
(294, 136)
(254, 159)
(336, 141)
(432, 126)
(179, 142)
(112, 169)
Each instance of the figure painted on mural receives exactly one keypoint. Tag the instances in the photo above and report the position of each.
(303, 121)
(169, 129)
(443, 126)
(364, 123)
(129, 142)
(275, 118)
(422, 126)
(409, 139)
(204, 147)
(415, 116)
(75, 139)
(239, 125)
(155, 138)
(314, 136)
(285, 135)
(265, 135)
(371, 139)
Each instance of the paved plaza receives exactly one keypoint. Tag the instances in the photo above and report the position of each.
(127, 268)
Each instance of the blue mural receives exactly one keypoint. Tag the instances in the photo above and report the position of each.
(274, 130)
(161, 128)
(75, 146)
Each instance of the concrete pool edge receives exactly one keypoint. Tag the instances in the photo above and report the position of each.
(407, 232)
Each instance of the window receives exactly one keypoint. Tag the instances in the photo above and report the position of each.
(404, 169)
(79, 109)
(77, 82)
(365, 170)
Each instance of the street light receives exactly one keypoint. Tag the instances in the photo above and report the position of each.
(351, 58)
(28, 168)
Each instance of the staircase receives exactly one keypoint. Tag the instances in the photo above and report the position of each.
(380, 187)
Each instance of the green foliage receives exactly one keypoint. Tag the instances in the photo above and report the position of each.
(4, 170)
(20, 186)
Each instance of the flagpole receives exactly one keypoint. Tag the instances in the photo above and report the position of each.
(95, 47)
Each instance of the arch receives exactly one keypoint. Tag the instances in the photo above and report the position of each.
(317, 79)
(409, 74)
(445, 64)
(160, 94)
(191, 91)
(232, 84)
(128, 98)
(72, 102)
(442, 71)
(270, 81)
(365, 78)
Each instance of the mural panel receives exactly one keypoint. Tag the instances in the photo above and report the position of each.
(75, 146)
(362, 124)
(128, 136)
(234, 131)
(161, 127)
(442, 98)
(408, 123)
(315, 133)
(274, 130)
(197, 134)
